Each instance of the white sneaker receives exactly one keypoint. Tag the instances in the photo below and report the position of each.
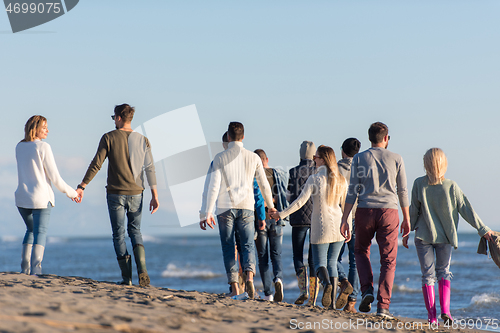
(269, 298)
(278, 293)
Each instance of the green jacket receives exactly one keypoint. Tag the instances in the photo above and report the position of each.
(434, 211)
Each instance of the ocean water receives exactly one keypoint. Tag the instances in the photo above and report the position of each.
(195, 263)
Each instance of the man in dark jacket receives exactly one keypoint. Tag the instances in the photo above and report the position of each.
(301, 223)
(270, 233)
(349, 283)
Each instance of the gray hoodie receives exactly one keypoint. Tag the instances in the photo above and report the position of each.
(345, 170)
(345, 167)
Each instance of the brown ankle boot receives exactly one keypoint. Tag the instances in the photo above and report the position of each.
(350, 307)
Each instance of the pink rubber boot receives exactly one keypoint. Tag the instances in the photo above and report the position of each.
(444, 300)
(430, 303)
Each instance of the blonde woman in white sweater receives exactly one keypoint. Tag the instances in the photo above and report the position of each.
(328, 189)
(36, 170)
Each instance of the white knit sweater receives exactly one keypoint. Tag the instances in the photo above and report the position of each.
(325, 219)
(36, 169)
(231, 181)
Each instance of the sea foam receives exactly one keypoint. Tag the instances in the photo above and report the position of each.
(485, 299)
(187, 272)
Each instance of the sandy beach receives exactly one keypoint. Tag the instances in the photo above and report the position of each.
(50, 303)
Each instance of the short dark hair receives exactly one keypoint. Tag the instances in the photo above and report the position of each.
(125, 111)
(261, 153)
(236, 131)
(377, 132)
(351, 146)
(224, 137)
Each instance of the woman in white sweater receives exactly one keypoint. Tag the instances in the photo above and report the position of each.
(36, 170)
(328, 189)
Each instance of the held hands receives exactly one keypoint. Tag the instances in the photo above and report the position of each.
(79, 196)
(273, 213)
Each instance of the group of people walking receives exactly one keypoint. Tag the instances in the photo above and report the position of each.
(129, 158)
(342, 204)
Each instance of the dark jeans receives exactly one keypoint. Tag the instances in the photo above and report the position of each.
(119, 207)
(383, 224)
(298, 239)
(268, 244)
(352, 276)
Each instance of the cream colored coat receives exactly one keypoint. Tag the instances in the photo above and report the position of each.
(325, 220)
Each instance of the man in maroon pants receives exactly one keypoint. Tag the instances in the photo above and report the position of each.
(378, 179)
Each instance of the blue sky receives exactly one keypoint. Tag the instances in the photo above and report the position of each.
(289, 70)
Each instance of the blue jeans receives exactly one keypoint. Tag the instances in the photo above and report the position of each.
(430, 267)
(326, 255)
(268, 244)
(353, 277)
(243, 221)
(119, 206)
(298, 239)
(37, 223)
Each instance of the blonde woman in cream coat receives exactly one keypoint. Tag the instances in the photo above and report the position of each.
(328, 189)
(36, 171)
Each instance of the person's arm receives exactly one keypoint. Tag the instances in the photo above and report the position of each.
(212, 193)
(403, 198)
(405, 225)
(351, 197)
(149, 166)
(95, 166)
(354, 184)
(299, 202)
(149, 169)
(345, 229)
(402, 187)
(49, 164)
(467, 212)
(259, 206)
(343, 207)
(265, 189)
(414, 210)
(203, 217)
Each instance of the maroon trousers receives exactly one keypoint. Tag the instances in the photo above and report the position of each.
(383, 224)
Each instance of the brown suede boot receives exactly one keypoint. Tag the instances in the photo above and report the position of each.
(350, 307)
(345, 291)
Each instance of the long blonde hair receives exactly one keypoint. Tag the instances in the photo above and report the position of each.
(335, 181)
(32, 126)
(435, 164)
